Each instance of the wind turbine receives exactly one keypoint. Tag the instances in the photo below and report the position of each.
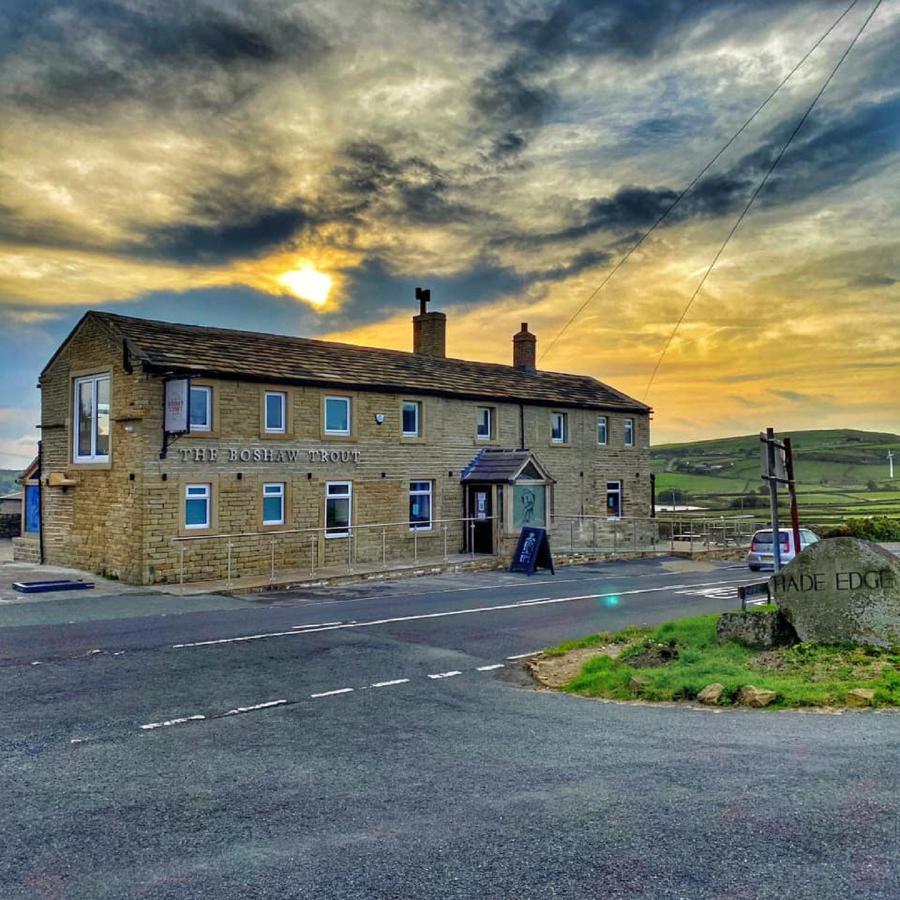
(891, 461)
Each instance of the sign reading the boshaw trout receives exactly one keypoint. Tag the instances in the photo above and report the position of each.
(267, 455)
(841, 589)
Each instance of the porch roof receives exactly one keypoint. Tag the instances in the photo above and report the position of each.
(498, 465)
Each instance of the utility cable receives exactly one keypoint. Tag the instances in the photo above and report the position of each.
(755, 193)
(694, 181)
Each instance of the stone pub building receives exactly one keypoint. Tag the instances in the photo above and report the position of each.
(299, 454)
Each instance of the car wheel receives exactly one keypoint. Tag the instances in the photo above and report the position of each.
(754, 568)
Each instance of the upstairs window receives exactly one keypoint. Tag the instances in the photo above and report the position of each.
(275, 412)
(91, 424)
(484, 428)
(201, 408)
(196, 506)
(273, 503)
(337, 415)
(602, 431)
(420, 494)
(412, 418)
(559, 428)
(629, 432)
(338, 496)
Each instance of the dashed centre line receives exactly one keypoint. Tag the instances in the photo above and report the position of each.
(331, 693)
(445, 674)
(390, 683)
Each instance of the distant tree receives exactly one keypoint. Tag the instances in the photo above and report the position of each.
(871, 485)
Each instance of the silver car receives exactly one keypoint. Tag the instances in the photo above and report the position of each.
(761, 553)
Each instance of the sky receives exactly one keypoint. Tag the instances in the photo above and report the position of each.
(300, 167)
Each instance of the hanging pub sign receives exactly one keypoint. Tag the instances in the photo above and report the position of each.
(178, 406)
(532, 552)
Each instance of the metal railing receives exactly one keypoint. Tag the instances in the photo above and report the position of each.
(281, 552)
(581, 533)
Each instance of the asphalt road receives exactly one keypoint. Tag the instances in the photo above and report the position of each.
(378, 741)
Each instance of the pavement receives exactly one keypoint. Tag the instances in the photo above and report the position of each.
(381, 741)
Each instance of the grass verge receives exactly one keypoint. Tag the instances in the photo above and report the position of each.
(804, 675)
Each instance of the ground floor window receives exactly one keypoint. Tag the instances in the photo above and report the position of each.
(338, 496)
(614, 499)
(529, 506)
(273, 503)
(196, 505)
(420, 505)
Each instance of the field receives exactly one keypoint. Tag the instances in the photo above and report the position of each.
(840, 473)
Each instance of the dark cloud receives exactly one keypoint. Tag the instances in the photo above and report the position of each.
(74, 57)
(220, 241)
(872, 281)
(410, 189)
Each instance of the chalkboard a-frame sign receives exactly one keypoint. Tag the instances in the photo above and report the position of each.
(532, 552)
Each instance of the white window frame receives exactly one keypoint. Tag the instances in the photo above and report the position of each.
(619, 492)
(208, 392)
(348, 497)
(629, 432)
(282, 396)
(94, 381)
(429, 492)
(417, 405)
(274, 489)
(206, 494)
(339, 431)
(490, 423)
(563, 430)
(604, 421)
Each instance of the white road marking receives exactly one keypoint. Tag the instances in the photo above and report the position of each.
(489, 668)
(521, 604)
(317, 625)
(245, 709)
(169, 722)
(445, 674)
(523, 655)
(331, 693)
(390, 683)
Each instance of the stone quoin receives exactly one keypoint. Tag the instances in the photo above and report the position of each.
(295, 445)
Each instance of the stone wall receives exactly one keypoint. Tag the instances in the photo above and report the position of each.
(10, 525)
(120, 519)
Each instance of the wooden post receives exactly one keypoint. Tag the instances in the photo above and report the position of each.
(792, 489)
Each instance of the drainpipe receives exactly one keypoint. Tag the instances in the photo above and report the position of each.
(40, 501)
(521, 426)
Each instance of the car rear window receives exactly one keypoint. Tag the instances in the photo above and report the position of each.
(765, 537)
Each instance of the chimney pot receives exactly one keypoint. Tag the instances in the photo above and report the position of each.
(525, 350)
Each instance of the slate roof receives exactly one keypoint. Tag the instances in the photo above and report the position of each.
(195, 349)
(496, 465)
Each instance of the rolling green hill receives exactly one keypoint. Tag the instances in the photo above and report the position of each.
(8, 480)
(839, 471)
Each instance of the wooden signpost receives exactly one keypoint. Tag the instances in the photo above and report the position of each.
(532, 552)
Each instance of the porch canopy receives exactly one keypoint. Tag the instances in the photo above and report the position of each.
(527, 500)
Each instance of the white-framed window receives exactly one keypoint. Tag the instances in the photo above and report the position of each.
(420, 505)
(201, 408)
(484, 419)
(614, 499)
(559, 428)
(629, 432)
(196, 505)
(338, 497)
(337, 415)
(273, 503)
(412, 418)
(275, 421)
(91, 419)
(602, 430)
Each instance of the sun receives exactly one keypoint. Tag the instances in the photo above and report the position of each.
(308, 284)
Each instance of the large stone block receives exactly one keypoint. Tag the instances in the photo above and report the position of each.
(759, 630)
(842, 590)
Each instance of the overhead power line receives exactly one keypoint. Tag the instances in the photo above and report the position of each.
(756, 192)
(694, 181)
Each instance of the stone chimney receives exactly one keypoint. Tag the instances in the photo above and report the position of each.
(525, 349)
(429, 328)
